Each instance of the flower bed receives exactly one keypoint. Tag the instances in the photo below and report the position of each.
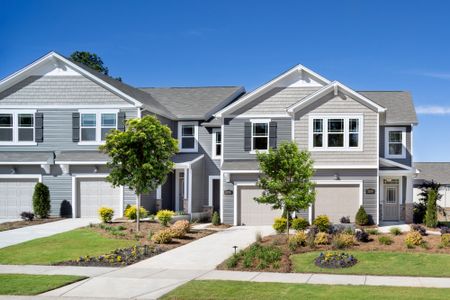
(333, 260)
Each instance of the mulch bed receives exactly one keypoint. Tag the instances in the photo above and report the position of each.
(143, 249)
(20, 224)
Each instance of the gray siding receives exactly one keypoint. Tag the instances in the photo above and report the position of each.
(55, 90)
(60, 188)
(408, 160)
(340, 105)
(234, 137)
(199, 198)
(276, 100)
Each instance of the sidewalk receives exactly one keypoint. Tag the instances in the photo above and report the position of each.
(55, 270)
(20, 235)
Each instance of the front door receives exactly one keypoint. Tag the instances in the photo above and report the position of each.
(216, 194)
(391, 202)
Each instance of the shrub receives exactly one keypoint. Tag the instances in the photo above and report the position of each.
(323, 223)
(164, 216)
(420, 229)
(300, 224)
(41, 200)
(372, 231)
(395, 231)
(162, 237)
(345, 220)
(335, 260)
(280, 225)
(299, 239)
(343, 240)
(385, 240)
(413, 238)
(215, 220)
(260, 256)
(106, 214)
(445, 240)
(431, 213)
(311, 236)
(27, 216)
(362, 236)
(130, 212)
(180, 228)
(322, 238)
(361, 217)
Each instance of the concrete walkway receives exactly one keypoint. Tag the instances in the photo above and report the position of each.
(55, 270)
(16, 236)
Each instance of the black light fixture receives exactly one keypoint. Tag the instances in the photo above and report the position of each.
(235, 249)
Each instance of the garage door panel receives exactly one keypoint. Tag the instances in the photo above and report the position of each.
(252, 212)
(94, 193)
(337, 201)
(16, 196)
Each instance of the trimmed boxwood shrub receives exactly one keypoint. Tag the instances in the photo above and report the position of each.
(106, 214)
(280, 225)
(164, 216)
(361, 217)
(300, 224)
(41, 200)
(130, 212)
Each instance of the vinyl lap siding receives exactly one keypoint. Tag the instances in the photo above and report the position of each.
(60, 188)
(406, 161)
(339, 106)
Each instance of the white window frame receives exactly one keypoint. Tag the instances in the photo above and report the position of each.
(180, 140)
(386, 142)
(257, 121)
(15, 127)
(214, 143)
(98, 124)
(325, 118)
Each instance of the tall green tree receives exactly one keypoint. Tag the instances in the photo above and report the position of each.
(286, 179)
(431, 213)
(141, 156)
(92, 61)
(420, 207)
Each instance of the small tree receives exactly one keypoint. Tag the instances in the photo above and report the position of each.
(431, 213)
(140, 156)
(420, 208)
(286, 179)
(41, 200)
(361, 217)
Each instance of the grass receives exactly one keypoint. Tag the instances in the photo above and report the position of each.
(257, 256)
(381, 263)
(215, 289)
(61, 247)
(22, 284)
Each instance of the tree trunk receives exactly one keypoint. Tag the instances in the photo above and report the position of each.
(138, 216)
(287, 224)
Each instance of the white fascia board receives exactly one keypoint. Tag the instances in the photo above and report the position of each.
(7, 163)
(65, 162)
(332, 87)
(345, 167)
(391, 163)
(267, 86)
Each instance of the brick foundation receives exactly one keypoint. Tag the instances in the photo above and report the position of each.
(409, 213)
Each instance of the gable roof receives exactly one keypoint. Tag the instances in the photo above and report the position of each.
(399, 105)
(335, 87)
(194, 102)
(437, 171)
(298, 69)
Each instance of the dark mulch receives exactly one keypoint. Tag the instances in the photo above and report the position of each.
(20, 224)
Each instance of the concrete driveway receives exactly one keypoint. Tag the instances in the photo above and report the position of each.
(152, 278)
(16, 236)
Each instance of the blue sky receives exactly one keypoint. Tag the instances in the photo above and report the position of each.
(367, 45)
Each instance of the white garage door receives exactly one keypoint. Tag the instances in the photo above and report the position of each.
(94, 193)
(16, 196)
(253, 213)
(337, 201)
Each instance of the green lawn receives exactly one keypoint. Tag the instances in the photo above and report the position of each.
(61, 247)
(21, 284)
(216, 289)
(381, 263)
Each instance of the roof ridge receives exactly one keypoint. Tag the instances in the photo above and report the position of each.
(190, 87)
(382, 91)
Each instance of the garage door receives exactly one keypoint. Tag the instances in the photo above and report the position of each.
(94, 193)
(16, 196)
(253, 213)
(337, 201)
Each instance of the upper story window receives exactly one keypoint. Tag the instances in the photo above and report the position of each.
(260, 135)
(395, 142)
(188, 136)
(17, 127)
(95, 126)
(216, 143)
(335, 133)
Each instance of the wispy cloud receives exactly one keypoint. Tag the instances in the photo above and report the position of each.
(438, 75)
(433, 110)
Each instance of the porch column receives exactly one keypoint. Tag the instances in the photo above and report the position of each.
(158, 198)
(185, 188)
(409, 205)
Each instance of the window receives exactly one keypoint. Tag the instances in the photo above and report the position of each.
(217, 143)
(188, 136)
(17, 127)
(335, 133)
(395, 139)
(260, 136)
(95, 126)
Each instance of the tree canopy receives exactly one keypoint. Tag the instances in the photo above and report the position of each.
(92, 61)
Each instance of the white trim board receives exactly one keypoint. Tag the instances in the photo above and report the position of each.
(210, 188)
(387, 130)
(21, 176)
(180, 126)
(236, 185)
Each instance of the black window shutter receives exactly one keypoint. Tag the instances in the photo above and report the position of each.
(273, 135)
(248, 136)
(76, 127)
(38, 127)
(121, 121)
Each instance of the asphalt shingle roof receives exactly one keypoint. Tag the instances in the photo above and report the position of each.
(437, 171)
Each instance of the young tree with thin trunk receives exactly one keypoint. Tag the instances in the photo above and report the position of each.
(141, 156)
(286, 179)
